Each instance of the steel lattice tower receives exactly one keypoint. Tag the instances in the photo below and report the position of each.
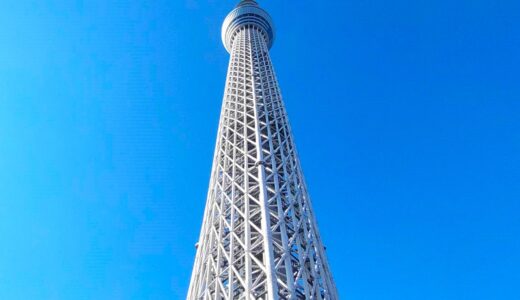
(259, 238)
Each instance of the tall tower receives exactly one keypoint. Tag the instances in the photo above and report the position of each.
(259, 238)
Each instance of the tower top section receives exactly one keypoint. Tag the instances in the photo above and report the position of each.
(247, 13)
(247, 2)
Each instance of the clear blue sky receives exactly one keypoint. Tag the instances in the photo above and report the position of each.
(406, 115)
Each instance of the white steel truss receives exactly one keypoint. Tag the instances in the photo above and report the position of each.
(259, 238)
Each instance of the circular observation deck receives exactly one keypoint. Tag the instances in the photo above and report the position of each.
(246, 13)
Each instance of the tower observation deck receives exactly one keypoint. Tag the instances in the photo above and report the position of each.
(259, 237)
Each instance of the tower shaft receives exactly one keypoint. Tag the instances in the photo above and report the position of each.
(259, 238)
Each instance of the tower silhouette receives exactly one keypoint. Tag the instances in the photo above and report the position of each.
(259, 237)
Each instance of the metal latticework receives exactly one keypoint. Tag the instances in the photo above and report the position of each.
(259, 237)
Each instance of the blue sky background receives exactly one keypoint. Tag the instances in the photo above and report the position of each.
(406, 115)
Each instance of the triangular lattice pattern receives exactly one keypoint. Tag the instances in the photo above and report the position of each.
(259, 238)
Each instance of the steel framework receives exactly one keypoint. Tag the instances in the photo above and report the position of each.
(259, 238)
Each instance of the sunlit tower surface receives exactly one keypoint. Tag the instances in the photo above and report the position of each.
(259, 238)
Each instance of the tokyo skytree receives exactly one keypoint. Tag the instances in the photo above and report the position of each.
(259, 238)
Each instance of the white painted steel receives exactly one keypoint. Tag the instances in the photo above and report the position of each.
(259, 237)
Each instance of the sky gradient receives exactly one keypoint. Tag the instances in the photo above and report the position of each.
(406, 115)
